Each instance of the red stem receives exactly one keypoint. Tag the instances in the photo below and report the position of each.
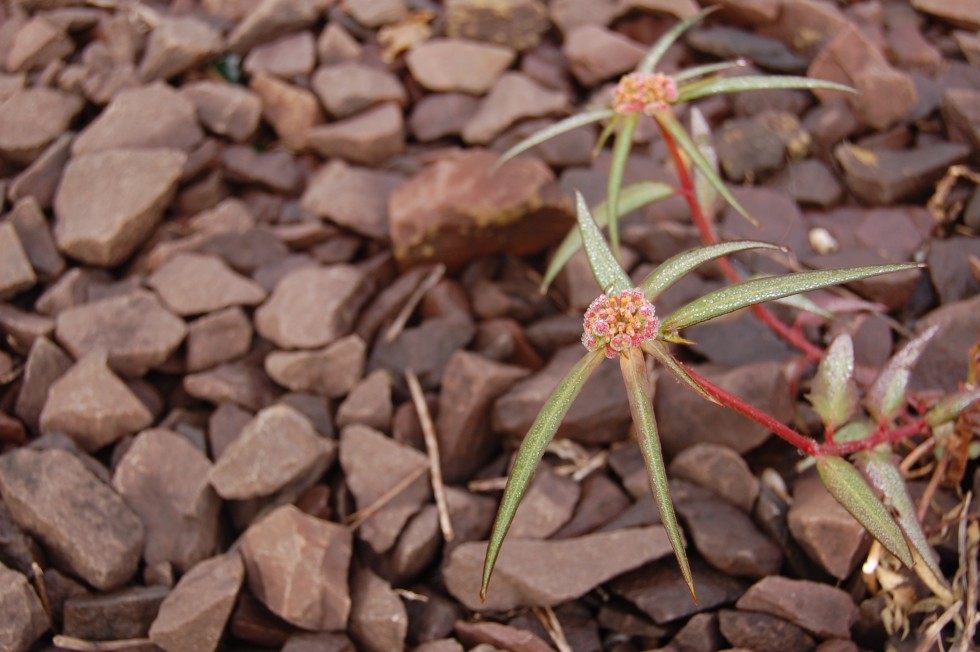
(882, 436)
(708, 236)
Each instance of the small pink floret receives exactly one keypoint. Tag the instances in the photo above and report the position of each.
(619, 321)
(644, 91)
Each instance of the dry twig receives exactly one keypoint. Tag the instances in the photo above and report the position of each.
(81, 645)
(358, 518)
(432, 448)
(427, 284)
(550, 621)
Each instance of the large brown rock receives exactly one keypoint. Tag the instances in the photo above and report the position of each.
(33, 118)
(824, 611)
(83, 524)
(164, 478)
(458, 209)
(24, 619)
(179, 284)
(297, 566)
(458, 65)
(595, 53)
(110, 202)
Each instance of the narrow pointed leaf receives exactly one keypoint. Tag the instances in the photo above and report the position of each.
(674, 268)
(659, 351)
(633, 197)
(530, 452)
(696, 90)
(708, 69)
(617, 168)
(887, 396)
(883, 473)
(706, 194)
(848, 487)
(605, 134)
(854, 431)
(669, 123)
(735, 297)
(805, 304)
(606, 269)
(834, 394)
(634, 370)
(557, 129)
(950, 406)
(659, 48)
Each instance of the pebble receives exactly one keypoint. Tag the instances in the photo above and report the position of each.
(276, 170)
(110, 202)
(961, 115)
(355, 198)
(596, 54)
(943, 365)
(331, 371)
(93, 419)
(123, 614)
(425, 349)
(136, 332)
(177, 44)
(216, 338)
(369, 138)
(824, 611)
(85, 525)
(16, 273)
(824, 529)
(290, 110)
(238, 382)
(368, 403)
(33, 118)
(24, 619)
(884, 177)
(378, 620)
(36, 238)
(225, 109)
(514, 97)
(547, 505)
(441, 115)
(762, 632)
(346, 89)
(547, 573)
(164, 479)
(178, 282)
(729, 43)
(499, 636)
(335, 45)
(809, 182)
(291, 56)
(719, 469)
(748, 148)
(517, 24)
(270, 19)
(949, 268)
(458, 65)
(38, 44)
(193, 616)
(277, 447)
(46, 362)
(958, 12)
(297, 565)
(39, 180)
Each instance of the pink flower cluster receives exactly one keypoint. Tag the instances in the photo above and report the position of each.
(644, 91)
(619, 321)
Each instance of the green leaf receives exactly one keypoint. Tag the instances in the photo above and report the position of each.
(662, 355)
(734, 297)
(557, 129)
(605, 134)
(669, 123)
(833, 393)
(853, 431)
(887, 396)
(617, 168)
(659, 48)
(849, 488)
(674, 268)
(606, 269)
(950, 406)
(633, 197)
(883, 473)
(698, 90)
(708, 69)
(530, 452)
(704, 191)
(634, 369)
(805, 304)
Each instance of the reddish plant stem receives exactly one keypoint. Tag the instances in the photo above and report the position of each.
(793, 336)
(882, 436)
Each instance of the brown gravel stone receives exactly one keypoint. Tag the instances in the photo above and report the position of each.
(762, 632)
(276, 170)
(514, 97)
(270, 19)
(297, 566)
(22, 328)
(602, 500)
(500, 636)
(824, 611)
(957, 12)
(961, 114)
(93, 419)
(378, 621)
(824, 529)
(164, 478)
(457, 65)
(216, 338)
(110, 202)
(319, 642)
(277, 447)
(35, 236)
(193, 617)
(225, 109)
(369, 403)
(373, 464)
(719, 469)
(122, 614)
(595, 53)
(886, 176)
(32, 118)
(177, 44)
(943, 364)
(312, 306)
(24, 618)
(368, 138)
(291, 110)
(134, 329)
(239, 382)
(152, 116)
(353, 197)
(441, 115)
(336, 45)
(331, 371)
(46, 362)
(38, 43)
(518, 24)
(40, 179)
(178, 282)
(288, 57)
(346, 89)
(425, 349)
(547, 573)
(81, 522)
(16, 273)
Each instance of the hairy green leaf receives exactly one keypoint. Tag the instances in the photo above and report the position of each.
(708, 69)
(853, 431)
(557, 129)
(634, 196)
(530, 452)
(660, 353)
(732, 298)
(883, 473)
(606, 269)
(697, 90)
(617, 168)
(704, 191)
(634, 370)
(674, 268)
(669, 123)
(887, 396)
(833, 393)
(848, 487)
(950, 406)
(659, 48)
(805, 304)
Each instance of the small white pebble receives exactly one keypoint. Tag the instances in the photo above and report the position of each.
(822, 242)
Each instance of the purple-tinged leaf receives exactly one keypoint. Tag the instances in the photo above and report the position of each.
(833, 393)
(887, 396)
(950, 406)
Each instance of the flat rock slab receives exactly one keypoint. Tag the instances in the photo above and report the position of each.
(297, 566)
(85, 525)
(458, 65)
(547, 573)
(108, 203)
(719, 469)
(24, 619)
(824, 529)
(824, 611)
(112, 616)
(193, 617)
